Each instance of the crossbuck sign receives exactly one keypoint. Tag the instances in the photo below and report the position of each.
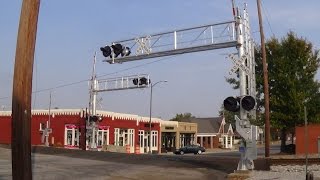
(239, 63)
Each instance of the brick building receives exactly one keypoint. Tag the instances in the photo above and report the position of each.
(313, 139)
(69, 124)
(131, 132)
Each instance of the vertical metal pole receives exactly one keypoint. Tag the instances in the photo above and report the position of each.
(306, 142)
(265, 84)
(150, 119)
(211, 30)
(22, 89)
(242, 75)
(48, 127)
(175, 39)
(94, 86)
(49, 118)
(94, 101)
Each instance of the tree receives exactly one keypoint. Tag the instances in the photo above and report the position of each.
(181, 116)
(292, 66)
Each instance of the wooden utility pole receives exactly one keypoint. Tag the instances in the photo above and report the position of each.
(265, 84)
(22, 89)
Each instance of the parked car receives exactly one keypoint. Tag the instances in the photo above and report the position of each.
(190, 149)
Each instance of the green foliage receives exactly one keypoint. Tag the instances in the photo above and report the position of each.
(234, 82)
(292, 66)
(181, 116)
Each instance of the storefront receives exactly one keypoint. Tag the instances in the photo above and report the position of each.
(177, 134)
(68, 129)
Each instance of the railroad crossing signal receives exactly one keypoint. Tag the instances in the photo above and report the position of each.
(115, 50)
(234, 104)
(141, 81)
(238, 63)
(95, 118)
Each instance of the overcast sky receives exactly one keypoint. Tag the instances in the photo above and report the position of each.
(69, 32)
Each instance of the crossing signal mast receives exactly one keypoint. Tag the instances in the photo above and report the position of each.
(111, 84)
(234, 33)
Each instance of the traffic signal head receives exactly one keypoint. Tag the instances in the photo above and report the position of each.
(106, 51)
(141, 81)
(231, 104)
(234, 104)
(95, 118)
(248, 103)
(135, 81)
(115, 50)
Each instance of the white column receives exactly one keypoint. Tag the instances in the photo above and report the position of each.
(65, 136)
(73, 136)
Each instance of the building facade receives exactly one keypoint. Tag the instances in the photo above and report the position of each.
(313, 143)
(68, 129)
(177, 134)
(117, 132)
(213, 132)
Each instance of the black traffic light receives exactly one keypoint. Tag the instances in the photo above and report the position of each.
(135, 81)
(115, 50)
(248, 103)
(231, 104)
(95, 118)
(234, 104)
(106, 51)
(141, 81)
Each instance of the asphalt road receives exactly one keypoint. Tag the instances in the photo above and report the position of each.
(59, 163)
(52, 163)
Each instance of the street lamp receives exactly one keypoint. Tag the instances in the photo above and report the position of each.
(150, 135)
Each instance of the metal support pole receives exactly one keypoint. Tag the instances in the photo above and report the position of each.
(22, 89)
(306, 142)
(242, 74)
(265, 84)
(93, 102)
(150, 135)
(49, 124)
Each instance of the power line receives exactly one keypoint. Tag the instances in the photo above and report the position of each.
(266, 15)
(133, 67)
(82, 81)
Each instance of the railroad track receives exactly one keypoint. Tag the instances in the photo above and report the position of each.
(294, 161)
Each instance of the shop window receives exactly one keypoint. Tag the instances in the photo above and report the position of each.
(103, 137)
(154, 138)
(72, 135)
(141, 136)
(123, 137)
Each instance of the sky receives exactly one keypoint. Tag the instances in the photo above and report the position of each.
(70, 32)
